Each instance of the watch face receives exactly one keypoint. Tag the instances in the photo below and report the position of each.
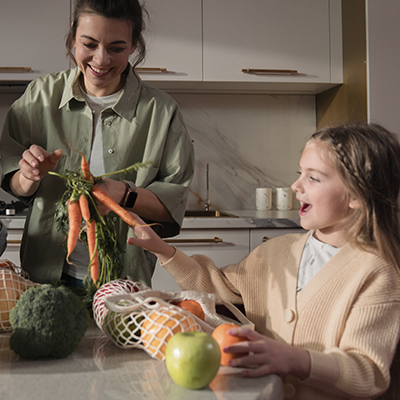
(131, 199)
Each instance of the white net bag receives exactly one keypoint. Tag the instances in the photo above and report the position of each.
(148, 319)
(118, 286)
(12, 285)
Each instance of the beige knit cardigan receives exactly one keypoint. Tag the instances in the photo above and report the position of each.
(347, 317)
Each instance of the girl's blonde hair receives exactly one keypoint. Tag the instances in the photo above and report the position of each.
(367, 157)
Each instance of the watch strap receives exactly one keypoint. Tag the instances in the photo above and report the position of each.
(130, 195)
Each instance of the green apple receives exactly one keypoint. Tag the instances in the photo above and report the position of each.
(192, 359)
(122, 327)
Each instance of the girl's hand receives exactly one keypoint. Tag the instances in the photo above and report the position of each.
(267, 356)
(148, 240)
(36, 162)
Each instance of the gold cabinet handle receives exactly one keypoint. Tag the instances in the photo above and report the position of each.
(15, 69)
(13, 241)
(265, 238)
(150, 70)
(180, 241)
(269, 71)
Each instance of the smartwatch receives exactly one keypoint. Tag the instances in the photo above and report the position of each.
(129, 199)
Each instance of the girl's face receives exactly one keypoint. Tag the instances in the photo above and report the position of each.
(325, 202)
(102, 50)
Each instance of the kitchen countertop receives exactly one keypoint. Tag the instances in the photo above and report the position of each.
(99, 370)
(243, 219)
(250, 219)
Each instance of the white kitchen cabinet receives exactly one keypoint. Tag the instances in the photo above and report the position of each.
(223, 246)
(174, 43)
(284, 46)
(259, 236)
(275, 41)
(32, 36)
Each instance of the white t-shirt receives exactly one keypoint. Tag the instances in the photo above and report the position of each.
(315, 255)
(80, 257)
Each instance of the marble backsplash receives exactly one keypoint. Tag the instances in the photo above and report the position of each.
(249, 141)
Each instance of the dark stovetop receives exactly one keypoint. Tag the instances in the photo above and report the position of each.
(12, 208)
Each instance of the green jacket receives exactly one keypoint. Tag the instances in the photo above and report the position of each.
(3, 239)
(144, 125)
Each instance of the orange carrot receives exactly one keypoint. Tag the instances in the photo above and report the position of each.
(108, 201)
(75, 219)
(91, 238)
(85, 168)
(93, 253)
(84, 205)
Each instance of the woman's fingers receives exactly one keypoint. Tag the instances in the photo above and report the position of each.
(37, 162)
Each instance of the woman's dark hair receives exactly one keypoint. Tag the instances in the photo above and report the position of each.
(124, 10)
(367, 157)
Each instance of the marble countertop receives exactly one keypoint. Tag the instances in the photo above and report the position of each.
(250, 219)
(99, 370)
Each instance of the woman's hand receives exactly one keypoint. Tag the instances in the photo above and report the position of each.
(36, 162)
(148, 240)
(114, 189)
(267, 356)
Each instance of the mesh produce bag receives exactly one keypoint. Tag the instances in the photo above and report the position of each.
(13, 283)
(115, 287)
(148, 319)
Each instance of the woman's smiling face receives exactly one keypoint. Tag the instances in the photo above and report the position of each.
(102, 50)
(325, 202)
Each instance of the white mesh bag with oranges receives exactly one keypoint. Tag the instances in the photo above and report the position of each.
(13, 282)
(149, 318)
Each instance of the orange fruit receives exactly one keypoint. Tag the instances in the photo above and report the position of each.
(192, 306)
(160, 326)
(221, 335)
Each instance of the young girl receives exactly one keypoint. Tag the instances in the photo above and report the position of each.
(326, 304)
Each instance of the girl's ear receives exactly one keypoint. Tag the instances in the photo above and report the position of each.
(354, 203)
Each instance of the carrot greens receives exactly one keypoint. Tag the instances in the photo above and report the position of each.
(98, 232)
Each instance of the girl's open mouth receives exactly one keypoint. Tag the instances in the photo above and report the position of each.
(305, 208)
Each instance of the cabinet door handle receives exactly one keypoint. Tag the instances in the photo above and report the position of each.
(150, 70)
(213, 240)
(264, 239)
(269, 71)
(15, 69)
(13, 241)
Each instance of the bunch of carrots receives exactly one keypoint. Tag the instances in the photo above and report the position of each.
(99, 234)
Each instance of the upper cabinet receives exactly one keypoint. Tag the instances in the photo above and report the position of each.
(281, 46)
(261, 45)
(33, 38)
(174, 43)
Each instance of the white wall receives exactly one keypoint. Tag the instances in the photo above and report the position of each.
(383, 61)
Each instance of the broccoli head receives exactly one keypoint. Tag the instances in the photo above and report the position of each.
(47, 321)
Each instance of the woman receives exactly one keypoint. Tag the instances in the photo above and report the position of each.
(3, 238)
(104, 110)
